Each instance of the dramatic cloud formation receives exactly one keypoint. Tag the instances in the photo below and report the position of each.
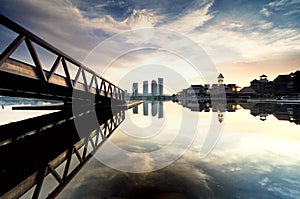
(232, 33)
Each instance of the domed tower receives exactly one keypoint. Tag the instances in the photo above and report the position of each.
(220, 79)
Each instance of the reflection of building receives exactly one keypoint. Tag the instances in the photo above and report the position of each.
(220, 116)
(154, 107)
(135, 89)
(153, 88)
(135, 110)
(145, 88)
(288, 112)
(145, 107)
(195, 105)
(160, 109)
(160, 86)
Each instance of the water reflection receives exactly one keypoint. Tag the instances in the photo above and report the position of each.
(157, 107)
(287, 112)
(281, 111)
(252, 159)
(41, 154)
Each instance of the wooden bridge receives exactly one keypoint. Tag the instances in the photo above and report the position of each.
(21, 79)
(33, 149)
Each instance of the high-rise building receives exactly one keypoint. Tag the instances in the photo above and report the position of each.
(154, 88)
(160, 86)
(145, 88)
(135, 89)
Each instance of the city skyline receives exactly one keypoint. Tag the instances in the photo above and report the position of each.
(156, 88)
(243, 39)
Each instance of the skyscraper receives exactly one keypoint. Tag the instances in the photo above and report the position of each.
(135, 89)
(160, 86)
(153, 88)
(145, 88)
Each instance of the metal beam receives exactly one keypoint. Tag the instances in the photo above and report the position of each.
(36, 60)
(11, 48)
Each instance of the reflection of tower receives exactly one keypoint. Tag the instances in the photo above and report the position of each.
(135, 89)
(160, 86)
(145, 107)
(153, 88)
(220, 116)
(145, 88)
(135, 110)
(160, 109)
(220, 79)
(263, 116)
(154, 107)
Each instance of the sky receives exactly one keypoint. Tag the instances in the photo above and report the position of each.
(241, 39)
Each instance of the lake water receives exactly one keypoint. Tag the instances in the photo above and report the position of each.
(186, 150)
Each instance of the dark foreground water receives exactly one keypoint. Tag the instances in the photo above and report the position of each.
(254, 154)
(177, 150)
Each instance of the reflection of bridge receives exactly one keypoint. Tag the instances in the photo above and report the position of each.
(34, 153)
(33, 150)
(22, 79)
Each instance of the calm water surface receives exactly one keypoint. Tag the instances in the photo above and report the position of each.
(251, 158)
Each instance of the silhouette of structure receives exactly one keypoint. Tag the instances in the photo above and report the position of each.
(160, 86)
(135, 89)
(153, 88)
(145, 88)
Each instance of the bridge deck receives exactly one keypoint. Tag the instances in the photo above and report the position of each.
(22, 79)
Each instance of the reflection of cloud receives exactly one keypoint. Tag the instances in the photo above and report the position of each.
(175, 181)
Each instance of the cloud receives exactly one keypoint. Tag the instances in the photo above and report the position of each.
(191, 20)
(138, 19)
(282, 4)
(264, 11)
(97, 180)
(229, 34)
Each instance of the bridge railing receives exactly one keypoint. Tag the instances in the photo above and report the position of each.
(95, 84)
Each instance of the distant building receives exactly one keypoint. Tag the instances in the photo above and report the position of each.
(247, 93)
(135, 89)
(160, 86)
(220, 79)
(219, 90)
(259, 84)
(154, 88)
(281, 83)
(145, 88)
(263, 87)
